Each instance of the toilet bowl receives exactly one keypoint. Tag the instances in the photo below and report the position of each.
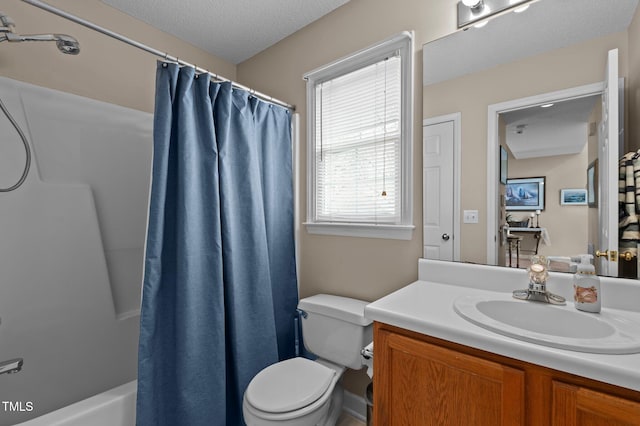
(295, 392)
(302, 392)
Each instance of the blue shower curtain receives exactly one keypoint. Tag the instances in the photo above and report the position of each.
(219, 293)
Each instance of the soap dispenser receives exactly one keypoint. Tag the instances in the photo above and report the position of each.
(586, 286)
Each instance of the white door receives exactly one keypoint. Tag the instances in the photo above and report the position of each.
(438, 190)
(608, 160)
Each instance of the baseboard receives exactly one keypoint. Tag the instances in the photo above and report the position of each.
(355, 406)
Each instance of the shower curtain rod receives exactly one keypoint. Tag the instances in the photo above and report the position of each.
(165, 56)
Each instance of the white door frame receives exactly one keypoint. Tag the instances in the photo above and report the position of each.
(456, 117)
(492, 148)
(608, 140)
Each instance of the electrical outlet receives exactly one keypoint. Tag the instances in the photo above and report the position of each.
(471, 216)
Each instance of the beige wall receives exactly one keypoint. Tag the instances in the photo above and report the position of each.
(105, 69)
(563, 68)
(370, 268)
(360, 267)
(366, 268)
(633, 84)
(567, 225)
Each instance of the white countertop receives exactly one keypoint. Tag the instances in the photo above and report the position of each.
(426, 306)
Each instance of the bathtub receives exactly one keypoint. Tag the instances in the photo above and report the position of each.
(115, 407)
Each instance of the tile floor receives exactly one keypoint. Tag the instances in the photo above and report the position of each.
(347, 420)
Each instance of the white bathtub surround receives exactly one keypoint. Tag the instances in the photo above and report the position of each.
(426, 306)
(72, 246)
(115, 407)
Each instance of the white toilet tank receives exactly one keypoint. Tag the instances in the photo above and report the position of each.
(335, 328)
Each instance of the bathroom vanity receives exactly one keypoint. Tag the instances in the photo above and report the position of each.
(434, 367)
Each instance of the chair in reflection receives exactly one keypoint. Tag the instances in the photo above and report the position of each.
(513, 243)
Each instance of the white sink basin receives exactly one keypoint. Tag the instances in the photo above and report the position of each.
(609, 332)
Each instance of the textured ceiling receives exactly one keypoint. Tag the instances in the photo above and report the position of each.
(575, 110)
(539, 126)
(233, 30)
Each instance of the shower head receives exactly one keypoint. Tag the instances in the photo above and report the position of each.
(66, 43)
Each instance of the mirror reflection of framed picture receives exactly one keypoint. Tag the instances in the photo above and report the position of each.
(592, 184)
(573, 197)
(503, 165)
(525, 194)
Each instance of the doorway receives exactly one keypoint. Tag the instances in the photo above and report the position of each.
(441, 187)
(514, 116)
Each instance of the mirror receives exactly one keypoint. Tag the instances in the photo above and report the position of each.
(552, 48)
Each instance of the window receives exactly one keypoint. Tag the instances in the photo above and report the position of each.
(360, 141)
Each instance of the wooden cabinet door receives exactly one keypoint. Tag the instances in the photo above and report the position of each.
(417, 383)
(574, 405)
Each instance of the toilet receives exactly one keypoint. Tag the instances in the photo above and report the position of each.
(301, 392)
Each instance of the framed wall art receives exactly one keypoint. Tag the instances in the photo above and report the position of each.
(525, 194)
(573, 197)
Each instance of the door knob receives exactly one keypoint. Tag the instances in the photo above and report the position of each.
(611, 255)
(627, 255)
(445, 237)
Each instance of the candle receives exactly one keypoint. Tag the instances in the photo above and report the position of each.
(538, 212)
(532, 215)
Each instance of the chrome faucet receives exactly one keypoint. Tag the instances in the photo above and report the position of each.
(11, 366)
(537, 290)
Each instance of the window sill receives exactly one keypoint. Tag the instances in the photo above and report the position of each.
(392, 232)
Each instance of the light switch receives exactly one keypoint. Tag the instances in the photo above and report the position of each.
(471, 216)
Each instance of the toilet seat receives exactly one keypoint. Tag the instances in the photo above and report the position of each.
(289, 385)
(313, 413)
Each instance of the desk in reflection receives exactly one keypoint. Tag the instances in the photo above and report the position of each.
(538, 234)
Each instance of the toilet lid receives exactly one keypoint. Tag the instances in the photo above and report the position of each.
(289, 385)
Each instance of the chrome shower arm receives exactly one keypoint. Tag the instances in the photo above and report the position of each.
(28, 37)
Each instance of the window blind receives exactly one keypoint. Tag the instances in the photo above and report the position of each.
(358, 145)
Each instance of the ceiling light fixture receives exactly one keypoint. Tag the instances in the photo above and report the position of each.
(546, 105)
(472, 11)
(520, 129)
(473, 4)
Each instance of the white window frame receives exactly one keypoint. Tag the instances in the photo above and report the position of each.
(401, 43)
